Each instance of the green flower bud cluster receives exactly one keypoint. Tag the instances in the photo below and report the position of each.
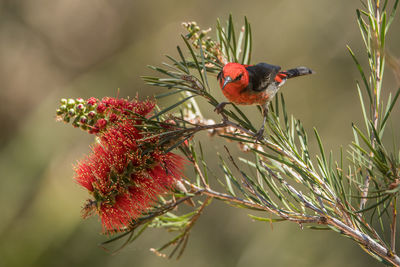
(80, 112)
(198, 36)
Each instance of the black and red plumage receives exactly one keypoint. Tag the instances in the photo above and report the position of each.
(254, 84)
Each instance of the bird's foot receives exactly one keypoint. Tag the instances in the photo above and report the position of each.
(220, 107)
(260, 134)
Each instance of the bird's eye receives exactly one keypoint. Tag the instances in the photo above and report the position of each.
(239, 77)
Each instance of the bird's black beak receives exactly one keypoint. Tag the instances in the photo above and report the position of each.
(228, 79)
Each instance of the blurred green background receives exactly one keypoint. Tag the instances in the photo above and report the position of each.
(50, 49)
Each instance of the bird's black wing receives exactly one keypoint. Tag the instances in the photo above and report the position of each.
(261, 75)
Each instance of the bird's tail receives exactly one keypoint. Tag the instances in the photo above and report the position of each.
(299, 71)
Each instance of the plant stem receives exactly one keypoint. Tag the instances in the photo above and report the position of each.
(365, 241)
(294, 217)
(394, 224)
(377, 80)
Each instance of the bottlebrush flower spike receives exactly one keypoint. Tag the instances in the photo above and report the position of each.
(128, 168)
(124, 180)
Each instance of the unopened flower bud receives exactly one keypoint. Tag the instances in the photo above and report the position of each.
(92, 114)
(76, 123)
(71, 112)
(80, 107)
(71, 102)
(63, 108)
(63, 101)
(83, 119)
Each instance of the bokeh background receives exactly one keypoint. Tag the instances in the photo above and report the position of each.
(50, 49)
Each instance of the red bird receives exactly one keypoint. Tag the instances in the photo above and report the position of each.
(254, 84)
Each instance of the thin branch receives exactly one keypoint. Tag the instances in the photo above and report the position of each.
(394, 224)
(366, 241)
(294, 217)
(191, 224)
(375, 103)
(203, 180)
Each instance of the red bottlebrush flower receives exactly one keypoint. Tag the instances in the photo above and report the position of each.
(123, 180)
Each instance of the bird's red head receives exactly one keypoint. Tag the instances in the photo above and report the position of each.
(233, 78)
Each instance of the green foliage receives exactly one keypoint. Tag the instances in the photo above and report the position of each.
(374, 161)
